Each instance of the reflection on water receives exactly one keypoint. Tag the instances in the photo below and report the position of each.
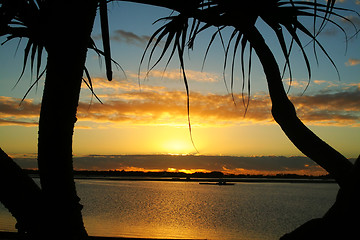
(189, 210)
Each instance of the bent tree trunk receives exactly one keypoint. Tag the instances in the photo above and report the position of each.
(20, 195)
(339, 221)
(68, 33)
(284, 114)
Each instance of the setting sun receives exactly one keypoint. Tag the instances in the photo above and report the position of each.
(178, 146)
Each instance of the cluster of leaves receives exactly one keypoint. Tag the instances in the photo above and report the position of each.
(282, 16)
(22, 19)
(27, 19)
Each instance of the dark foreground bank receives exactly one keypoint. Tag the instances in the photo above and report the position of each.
(14, 235)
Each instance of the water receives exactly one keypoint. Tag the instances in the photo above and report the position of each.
(245, 211)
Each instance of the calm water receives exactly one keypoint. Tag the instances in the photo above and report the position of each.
(189, 210)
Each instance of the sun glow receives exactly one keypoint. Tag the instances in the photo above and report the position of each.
(178, 147)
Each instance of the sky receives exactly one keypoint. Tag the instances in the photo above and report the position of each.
(146, 114)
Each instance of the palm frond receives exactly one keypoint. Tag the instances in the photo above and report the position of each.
(277, 15)
(218, 32)
(288, 14)
(92, 46)
(36, 82)
(23, 19)
(89, 84)
(174, 33)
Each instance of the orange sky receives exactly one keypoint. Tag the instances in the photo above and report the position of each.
(148, 115)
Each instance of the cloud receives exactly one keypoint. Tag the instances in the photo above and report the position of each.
(352, 21)
(13, 122)
(175, 74)
(169, 107)
(161, 106)
(123, 36)
(302, 84)
(124, 103)
(14, 113)
(349, 24)
(130, 38)
(124, 85)
(352, 62)
(339, 108)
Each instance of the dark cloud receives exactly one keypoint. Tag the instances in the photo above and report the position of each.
(350, 24)
(266, 164)
(337, 108)
(130, 38)
(229, 164)
(127, 37)
(9, 122)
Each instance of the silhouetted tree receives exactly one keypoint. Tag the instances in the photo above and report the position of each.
(63, 29)
(180, 33)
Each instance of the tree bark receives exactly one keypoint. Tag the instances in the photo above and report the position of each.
(284, 114)
(68, 34)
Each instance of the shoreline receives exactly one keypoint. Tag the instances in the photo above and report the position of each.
(211, 180)
(14, 235)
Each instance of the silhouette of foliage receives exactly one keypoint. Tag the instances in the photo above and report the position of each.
(22, 19)
(283, 17)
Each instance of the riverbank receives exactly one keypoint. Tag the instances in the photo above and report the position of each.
(195, 177)
(211, 180)
(214, 176)
(15, 236)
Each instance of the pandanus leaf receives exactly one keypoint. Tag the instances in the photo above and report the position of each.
(174, 33)
(105, 37)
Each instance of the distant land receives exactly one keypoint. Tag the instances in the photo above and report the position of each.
(214, 176)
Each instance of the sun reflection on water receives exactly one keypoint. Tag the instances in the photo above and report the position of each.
(188, 210)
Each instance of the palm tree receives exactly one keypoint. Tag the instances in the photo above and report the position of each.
(66, 40)
(63, 29)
